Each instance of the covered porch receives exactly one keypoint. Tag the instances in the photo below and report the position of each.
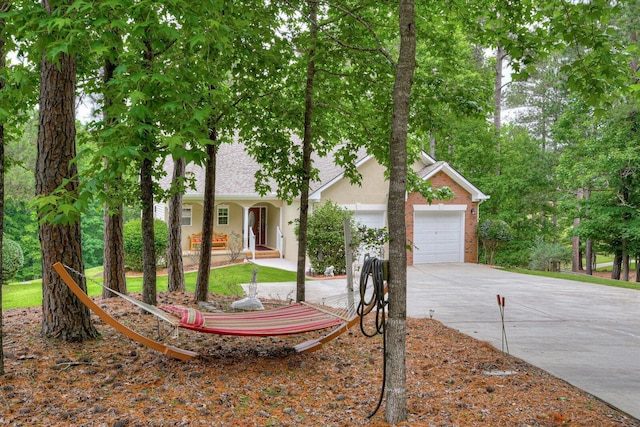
(242, 229)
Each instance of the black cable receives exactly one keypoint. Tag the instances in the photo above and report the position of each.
(376, 301)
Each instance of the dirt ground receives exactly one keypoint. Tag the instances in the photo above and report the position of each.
(452, 380)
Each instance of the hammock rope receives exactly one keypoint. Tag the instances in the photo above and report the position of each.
(285, 320)
(143, 305)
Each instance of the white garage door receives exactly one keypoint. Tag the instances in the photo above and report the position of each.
(438, 236)
(372, 219)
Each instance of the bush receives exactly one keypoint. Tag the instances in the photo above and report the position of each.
(12, 259)
(492, 233)
(234, 246)
(547, 256)
(132, 234)
(325, 237)
(372, 240)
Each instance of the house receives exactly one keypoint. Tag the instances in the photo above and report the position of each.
(440, 232)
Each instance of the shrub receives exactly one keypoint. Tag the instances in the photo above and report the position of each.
(372, 240)
(132, 234)
(325, 237)
(492, 233)
(12, 259)
(234, 246)
(546, 256)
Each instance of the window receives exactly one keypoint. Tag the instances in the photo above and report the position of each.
(223, 215)
(186, 215)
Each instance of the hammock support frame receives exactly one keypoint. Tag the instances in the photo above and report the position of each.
(341, 325)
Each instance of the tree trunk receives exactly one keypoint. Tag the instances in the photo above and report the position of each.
(149, 262)
(64, 316)
(497, 92)
(432, 145)
(625, 261)
(617, 265)
(4, 6)
(175, 265)
(575, 240)
(204, 269)
(637, 269)
(588, 254)
(497, 101)
(307, 147)
(114, 276)
(396, 385)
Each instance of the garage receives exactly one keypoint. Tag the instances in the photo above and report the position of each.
(438, 236)
(371, 219)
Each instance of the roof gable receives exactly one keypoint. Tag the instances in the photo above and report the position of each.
(235, 174)
(431, 167)
(431, 170)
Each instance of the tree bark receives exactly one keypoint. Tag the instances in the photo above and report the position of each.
(396, 385)
(175, 264)
(307, 147)
(114, 276)
(4, 6)
(204, 269)
(64, 316)
(497, 92)
(575, 240)
(625, 261)
(149, 261)
(617, 265)
(588, 254)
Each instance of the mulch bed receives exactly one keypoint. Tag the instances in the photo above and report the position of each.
(452, 379)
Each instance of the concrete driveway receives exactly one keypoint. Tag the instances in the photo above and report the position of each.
(588, 335)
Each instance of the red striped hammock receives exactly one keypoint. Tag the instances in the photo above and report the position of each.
(291, 319)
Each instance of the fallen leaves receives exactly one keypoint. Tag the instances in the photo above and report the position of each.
(452, 380)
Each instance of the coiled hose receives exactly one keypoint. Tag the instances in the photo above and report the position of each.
(374, 300)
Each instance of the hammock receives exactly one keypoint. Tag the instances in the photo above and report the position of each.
(175, 352)
(286, 320)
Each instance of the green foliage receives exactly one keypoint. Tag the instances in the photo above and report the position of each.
(372, 240)
(133, 239)
(92, 236)
(492, 233)
(547, 256)
(325, 237)
(12, 259)
(21, 225)
(223, 281)
(494, 230)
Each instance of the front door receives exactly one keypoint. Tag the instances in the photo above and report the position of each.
(258, 224)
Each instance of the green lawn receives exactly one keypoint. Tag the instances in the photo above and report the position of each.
(581, 278)
(223, 280)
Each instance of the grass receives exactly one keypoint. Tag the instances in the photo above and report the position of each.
(581, 278)
(227, 280)
(223, 280)
(632, 266)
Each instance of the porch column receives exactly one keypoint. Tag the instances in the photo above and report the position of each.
(280, 238)
(245, 227)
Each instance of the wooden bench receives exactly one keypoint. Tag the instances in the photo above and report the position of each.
(219, 240)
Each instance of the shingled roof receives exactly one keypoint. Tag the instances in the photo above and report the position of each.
(235, 173)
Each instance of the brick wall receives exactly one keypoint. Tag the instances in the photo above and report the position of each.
(461, 197)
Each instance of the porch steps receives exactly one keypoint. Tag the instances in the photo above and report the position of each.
(265, 254)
